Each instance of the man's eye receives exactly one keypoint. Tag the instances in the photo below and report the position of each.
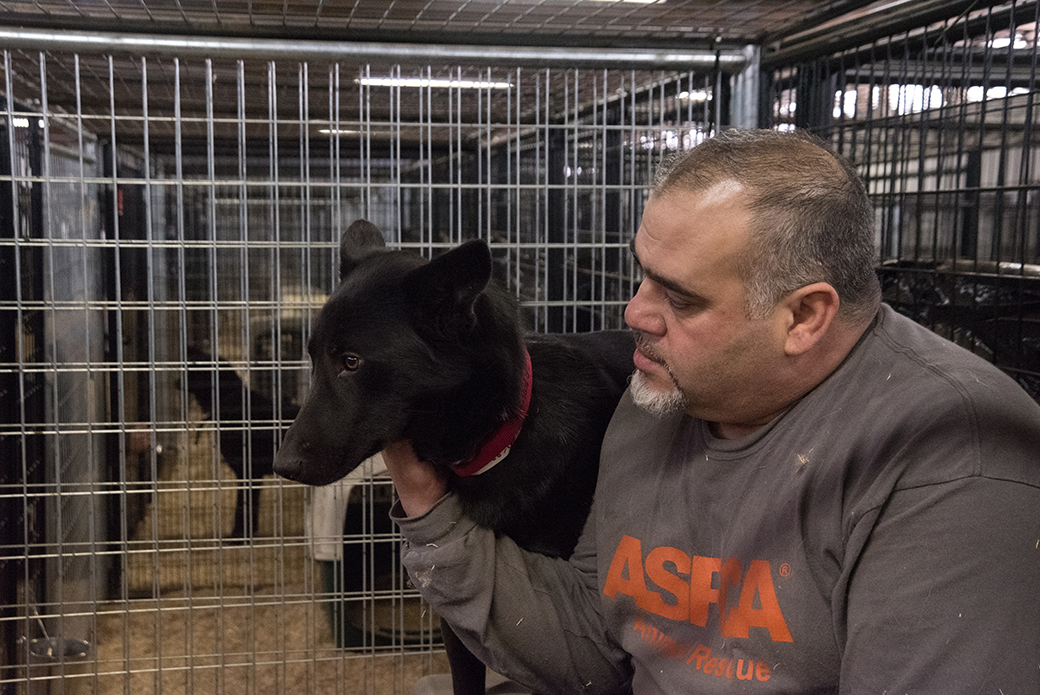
(676, 302)
(351, 362)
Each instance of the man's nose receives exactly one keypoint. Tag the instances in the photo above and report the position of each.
(643, 313)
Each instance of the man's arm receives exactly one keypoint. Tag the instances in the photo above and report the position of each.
(530, 617)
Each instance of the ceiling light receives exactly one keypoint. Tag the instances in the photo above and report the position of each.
(695, 95)
(423, 82)
(1005, 41)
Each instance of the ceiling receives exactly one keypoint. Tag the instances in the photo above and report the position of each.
(187, 92)
(546, 22)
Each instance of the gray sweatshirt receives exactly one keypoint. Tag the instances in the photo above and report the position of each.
(882, 536)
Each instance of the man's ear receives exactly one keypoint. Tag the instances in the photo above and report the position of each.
(361, 238)
(809, 312)
(444, 290)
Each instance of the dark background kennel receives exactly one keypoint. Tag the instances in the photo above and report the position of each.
(173, 180)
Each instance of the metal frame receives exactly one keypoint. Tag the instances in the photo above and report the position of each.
(727, 59)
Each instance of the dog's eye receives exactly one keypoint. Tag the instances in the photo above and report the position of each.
(351, 362)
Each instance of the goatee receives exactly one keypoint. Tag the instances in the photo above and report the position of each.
(654, 401)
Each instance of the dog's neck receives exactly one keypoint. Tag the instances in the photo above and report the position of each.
(498, 445)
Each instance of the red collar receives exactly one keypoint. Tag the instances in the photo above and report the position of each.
(497, 448)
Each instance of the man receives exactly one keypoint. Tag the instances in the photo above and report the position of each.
(802, 492)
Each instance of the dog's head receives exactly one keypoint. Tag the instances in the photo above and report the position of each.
(392, 339)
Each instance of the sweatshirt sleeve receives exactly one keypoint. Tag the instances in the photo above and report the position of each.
(532, 618)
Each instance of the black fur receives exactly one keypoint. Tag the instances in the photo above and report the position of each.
(439, 357)
(234, 419)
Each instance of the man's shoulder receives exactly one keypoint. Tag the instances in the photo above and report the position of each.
(929, 362)
(942, 400)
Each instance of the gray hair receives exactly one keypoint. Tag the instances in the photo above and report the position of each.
(811, 220)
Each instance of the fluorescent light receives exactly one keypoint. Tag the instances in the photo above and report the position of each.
(845, 103)
(341, 131)
(423, 82)
(695, 95)
(1005, 41)
(999, 92)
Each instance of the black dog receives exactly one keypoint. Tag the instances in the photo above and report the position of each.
(433, 353)
(248, 449)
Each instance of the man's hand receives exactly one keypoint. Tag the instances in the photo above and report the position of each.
(419, 484)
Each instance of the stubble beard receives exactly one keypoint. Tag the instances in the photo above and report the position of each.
(659, 403)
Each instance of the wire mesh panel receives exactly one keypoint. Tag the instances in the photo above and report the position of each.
(170, 230)
(941, 120)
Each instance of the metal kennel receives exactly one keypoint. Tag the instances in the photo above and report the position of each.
(173, 182)
(172, 217)
(938, 106)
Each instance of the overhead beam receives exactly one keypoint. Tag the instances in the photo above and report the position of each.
(730, 61)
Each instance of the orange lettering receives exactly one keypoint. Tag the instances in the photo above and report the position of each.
(629, 555)
(652, 634)
(759, 580)
(671, 583)
(700, 653)
(676, 649)
(730, 576)
(757, 605)
(762, 671)
(750, 670)
(702, 574)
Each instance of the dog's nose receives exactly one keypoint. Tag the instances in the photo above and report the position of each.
(291, 454)
(288, 466)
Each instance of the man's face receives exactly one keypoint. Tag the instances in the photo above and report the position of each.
(693, 333)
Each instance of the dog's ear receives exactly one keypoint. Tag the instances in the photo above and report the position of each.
(443, 291)
(360, 239)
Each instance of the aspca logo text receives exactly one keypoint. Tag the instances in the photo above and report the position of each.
(745, 599)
